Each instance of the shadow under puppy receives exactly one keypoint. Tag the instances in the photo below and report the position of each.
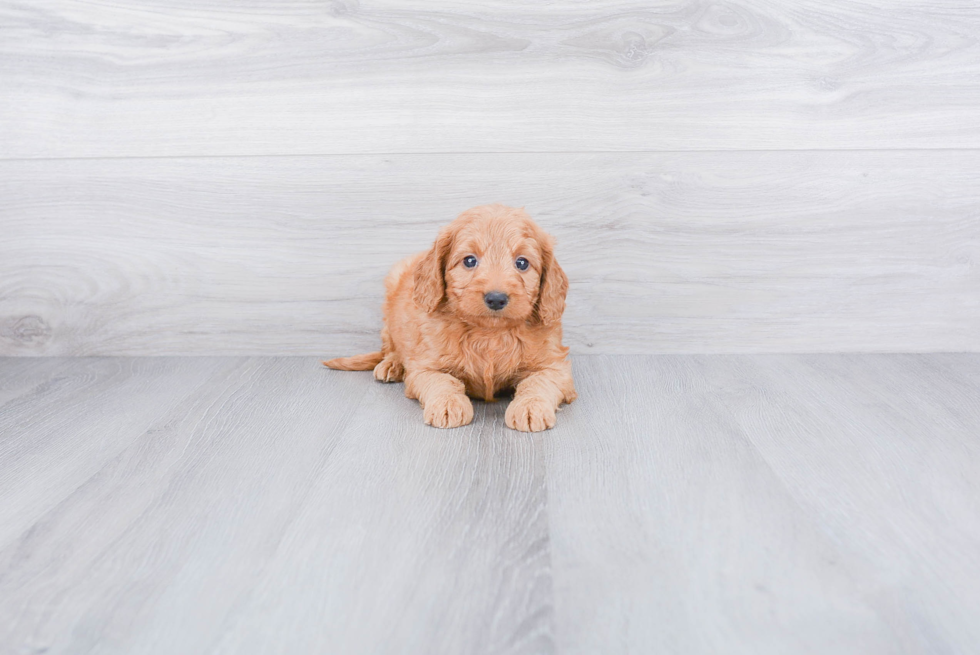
(479, 314)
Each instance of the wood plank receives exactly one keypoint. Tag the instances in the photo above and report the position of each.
(21, 376)
(671, 534)
(669, 252)
(695, 504)
(174, 527)
(277, 512)
(414, 540)
(310, 77)
(885, 451)
(68, 427)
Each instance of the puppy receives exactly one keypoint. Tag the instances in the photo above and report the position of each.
(477, 315)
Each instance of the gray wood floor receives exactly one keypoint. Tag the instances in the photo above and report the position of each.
(685, 504)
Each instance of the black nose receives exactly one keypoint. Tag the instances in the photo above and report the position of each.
(496, 300)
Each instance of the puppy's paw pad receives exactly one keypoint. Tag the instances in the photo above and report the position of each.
(389, 370)
(449, 411)
(530, 415)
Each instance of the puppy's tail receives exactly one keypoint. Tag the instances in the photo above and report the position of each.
(365, 362)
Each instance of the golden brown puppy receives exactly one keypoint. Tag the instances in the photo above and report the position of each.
(477, 315)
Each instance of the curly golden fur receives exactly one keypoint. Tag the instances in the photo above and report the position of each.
(442, 336)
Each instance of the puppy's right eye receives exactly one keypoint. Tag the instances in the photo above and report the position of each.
(469, 261)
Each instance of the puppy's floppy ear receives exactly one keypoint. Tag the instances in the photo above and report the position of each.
(554, 284)
(430, 274)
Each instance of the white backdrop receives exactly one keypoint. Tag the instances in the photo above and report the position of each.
(227, 177)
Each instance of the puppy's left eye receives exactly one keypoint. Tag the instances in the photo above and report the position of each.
(469, 261)
(521, 263)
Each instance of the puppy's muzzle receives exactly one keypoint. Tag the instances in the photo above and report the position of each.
(496, 300)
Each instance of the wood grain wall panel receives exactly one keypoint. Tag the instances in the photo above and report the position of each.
(668, 252)
(211, 77)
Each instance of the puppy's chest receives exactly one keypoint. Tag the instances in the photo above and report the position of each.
(488, 363)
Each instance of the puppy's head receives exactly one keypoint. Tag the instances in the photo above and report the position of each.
(493, 265)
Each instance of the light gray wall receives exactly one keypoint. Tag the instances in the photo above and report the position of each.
(235, 177)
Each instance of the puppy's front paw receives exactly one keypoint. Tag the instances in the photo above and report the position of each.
(388, 370)
(449, 411)
(530, 415)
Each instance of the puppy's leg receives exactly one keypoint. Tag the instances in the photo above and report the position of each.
(443, 398)
(537, 397)
(389, 369)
